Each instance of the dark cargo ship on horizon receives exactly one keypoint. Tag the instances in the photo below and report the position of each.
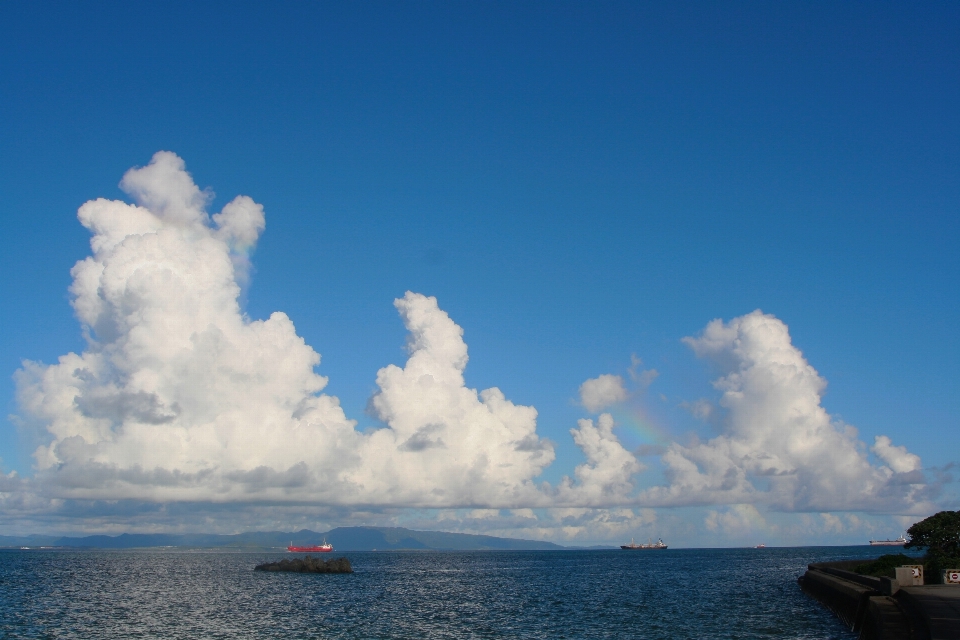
(633, 546)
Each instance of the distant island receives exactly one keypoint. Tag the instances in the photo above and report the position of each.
(342, 538)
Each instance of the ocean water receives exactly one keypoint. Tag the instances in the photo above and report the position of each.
(694, 593)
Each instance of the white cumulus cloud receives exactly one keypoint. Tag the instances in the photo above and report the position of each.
(179, 397)
(778, 445)
(897, 458)
(180, 401)
(446, 443)
(596, 394)
(606, 476)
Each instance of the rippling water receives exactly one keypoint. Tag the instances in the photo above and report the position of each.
(696, 593)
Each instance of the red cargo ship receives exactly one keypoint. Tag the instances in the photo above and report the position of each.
(326, 547)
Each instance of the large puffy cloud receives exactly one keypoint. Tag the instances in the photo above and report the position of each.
(779, 446)
(447, 443)
(179, 397)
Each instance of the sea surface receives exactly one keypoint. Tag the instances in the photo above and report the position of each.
(684, 593)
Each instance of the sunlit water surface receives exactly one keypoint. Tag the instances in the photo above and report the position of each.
(696, 593)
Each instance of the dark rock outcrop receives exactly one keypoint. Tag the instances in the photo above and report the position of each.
(308, 564)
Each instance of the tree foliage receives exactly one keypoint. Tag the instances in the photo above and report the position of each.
(940, 534)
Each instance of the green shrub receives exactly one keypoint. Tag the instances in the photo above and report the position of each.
(885, 565)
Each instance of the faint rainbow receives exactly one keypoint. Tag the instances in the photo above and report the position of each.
(640, 423)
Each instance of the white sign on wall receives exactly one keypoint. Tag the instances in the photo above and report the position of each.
(910, 575)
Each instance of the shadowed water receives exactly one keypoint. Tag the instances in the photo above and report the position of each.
(718, 593)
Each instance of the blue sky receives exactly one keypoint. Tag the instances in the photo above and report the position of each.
(574, 184)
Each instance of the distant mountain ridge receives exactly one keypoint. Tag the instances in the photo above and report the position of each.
(342, 538)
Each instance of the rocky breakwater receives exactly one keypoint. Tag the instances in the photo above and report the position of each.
(308, 564)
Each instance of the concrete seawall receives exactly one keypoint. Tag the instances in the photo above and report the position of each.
(879, 609)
